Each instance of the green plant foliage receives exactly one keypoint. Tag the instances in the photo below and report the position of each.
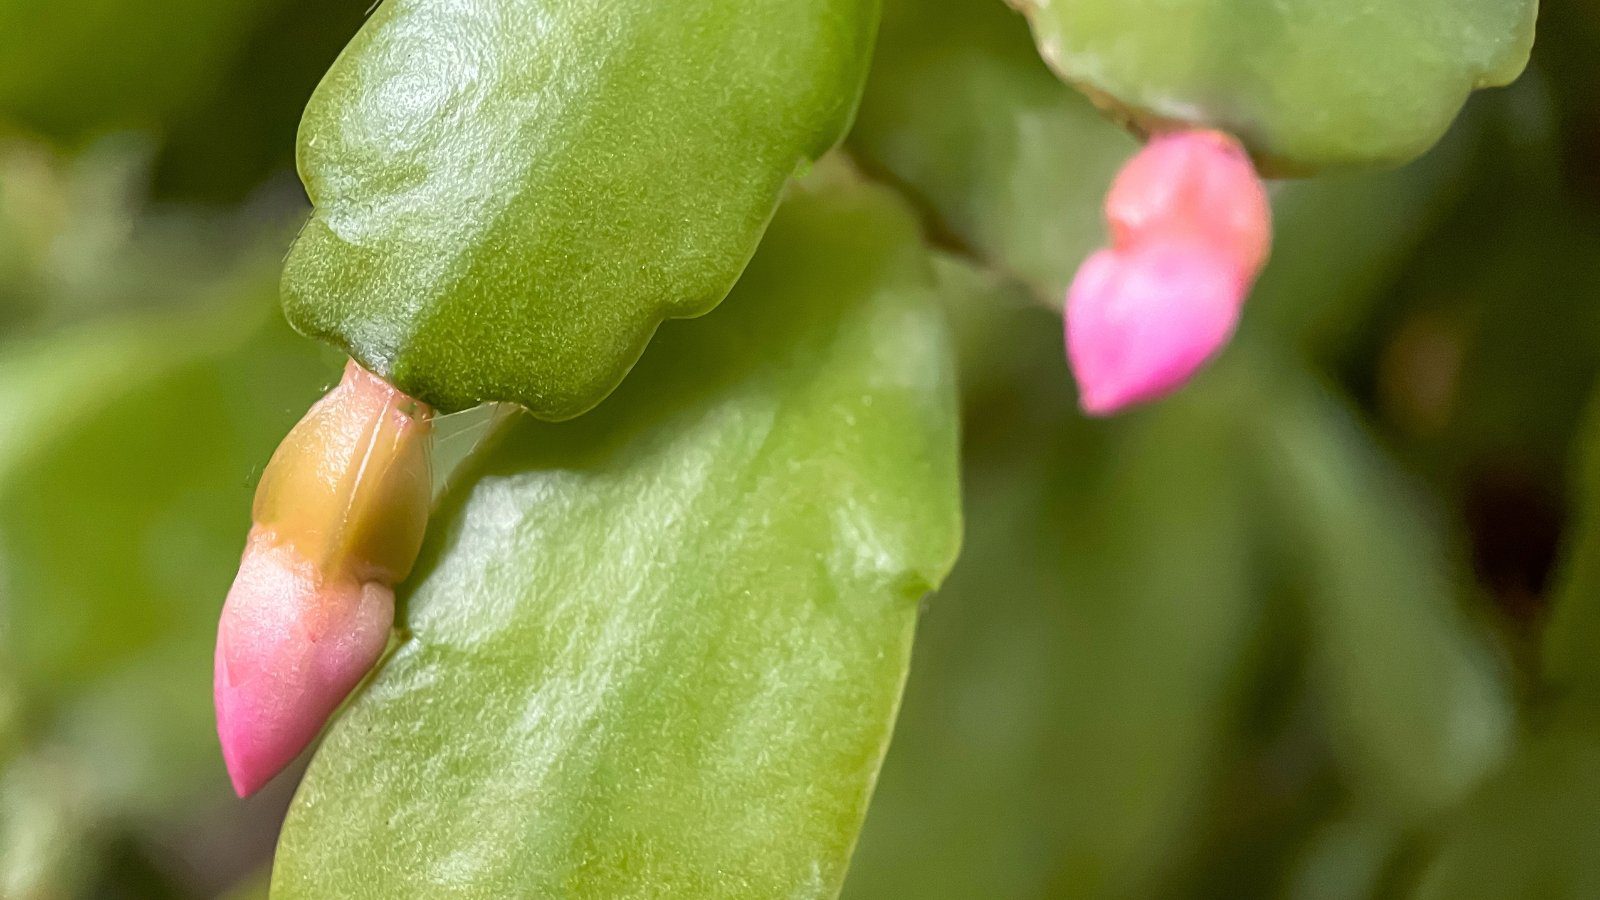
(125, 479)
(1091, 666)
(1346, 859)
(1570, 662)
(511, 195)
(1307, 84)
(1417, 709)
(40, 820)
(80, 241)
(1339, 240)
(1012, 167)
(1484, 390)
(170, 416)
(70, 69)
(136, 386)
(1227, 645)
(1531, 833)
(658, 651)
(221, 149)
(1076, 679)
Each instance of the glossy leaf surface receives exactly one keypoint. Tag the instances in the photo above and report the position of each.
(511, 194)
(1306, 84)
(658, 651)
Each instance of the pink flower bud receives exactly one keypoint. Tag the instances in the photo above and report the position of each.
(1141, 322)
(1191, 228)
(1199, 185)
(290, 647)
(339, 517)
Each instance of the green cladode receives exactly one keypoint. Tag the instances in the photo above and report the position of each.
(658, 650)
(510, 195)
(1306, 84)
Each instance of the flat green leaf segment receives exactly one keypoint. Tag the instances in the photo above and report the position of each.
(657, 652)
(512, 194)
(1306, 84)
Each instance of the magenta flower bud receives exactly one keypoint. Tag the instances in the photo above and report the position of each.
(1191, 228)
(339, 517)
(1141, 322)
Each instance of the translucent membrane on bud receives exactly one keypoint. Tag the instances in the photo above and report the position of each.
(1191, 227)
(339, 518)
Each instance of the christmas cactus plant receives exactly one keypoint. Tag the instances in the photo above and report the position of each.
(509, 197)
(643, 630)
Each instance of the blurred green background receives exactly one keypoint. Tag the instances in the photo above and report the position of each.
(1321, 626)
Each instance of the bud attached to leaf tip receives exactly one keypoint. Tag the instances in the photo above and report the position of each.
(339, 517)
(1191, 228)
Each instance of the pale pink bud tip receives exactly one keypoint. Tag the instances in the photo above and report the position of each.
(1191, 228)
(1141, 323)
(288, 652)
(339, 517)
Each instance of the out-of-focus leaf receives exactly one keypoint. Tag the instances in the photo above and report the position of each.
(42, 826)
(1484, 353)
(73, 68)
(1306, 84)
(658, 651)
(1532, 831)
(223, 148)
(1075, 677)
(1417, 708)
(511, 195)
(1496, 308)
(125, 482)
(1346, 860)
(1013, 167)
(61, 217)
(1512, 313)
(256, 887)
(78, 238)
(1339, 240)
(1013, 164)
(1572, 639)
(997, 327)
